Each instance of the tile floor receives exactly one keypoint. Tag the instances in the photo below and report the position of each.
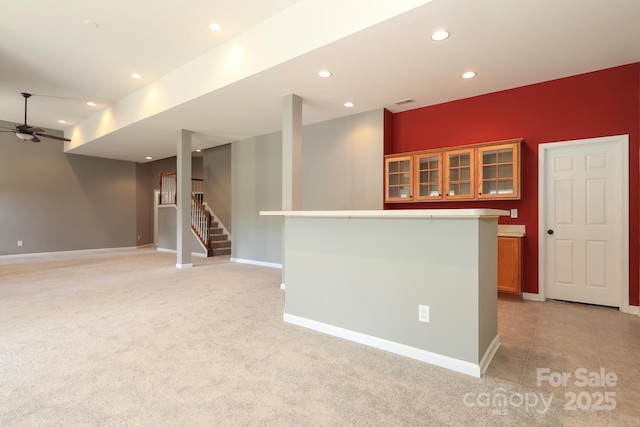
(564, 337)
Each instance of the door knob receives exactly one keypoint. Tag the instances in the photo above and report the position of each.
(549, 231)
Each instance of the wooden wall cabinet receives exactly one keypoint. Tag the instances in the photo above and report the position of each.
(472, 172)
(428, 182)
(398, 173)
(459, 178)
(510, 267)
(499, 171)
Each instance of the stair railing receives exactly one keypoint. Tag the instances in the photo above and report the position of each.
(169, 188)
(200, 221)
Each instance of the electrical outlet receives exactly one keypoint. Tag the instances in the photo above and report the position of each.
(138, 237)
(19, 242)
(514, 213)
(423, 313)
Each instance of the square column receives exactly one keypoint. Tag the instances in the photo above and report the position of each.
(183, 222)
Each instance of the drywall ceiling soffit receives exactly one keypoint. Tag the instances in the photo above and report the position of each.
(509, 44)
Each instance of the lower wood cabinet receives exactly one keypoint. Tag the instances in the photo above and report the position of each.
(510, 267)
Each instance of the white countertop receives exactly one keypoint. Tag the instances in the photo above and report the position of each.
(511, 230)
(401, 213)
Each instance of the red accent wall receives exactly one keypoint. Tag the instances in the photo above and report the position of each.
(596, 104)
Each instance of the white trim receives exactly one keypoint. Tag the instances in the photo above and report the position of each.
(260, 263)
(533, 297)
(173, 251)
(623, 143)
(73, 252)
(634, 309)
(282, 286)
(489, 353)
(457, 365)
(181, 266)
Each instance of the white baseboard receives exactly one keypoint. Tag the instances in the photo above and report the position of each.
(181, 266)
(533, 297)
(260, 263)
(488, 355)
(397, 348)
(173, 251)
(74, 252)
(634, 309)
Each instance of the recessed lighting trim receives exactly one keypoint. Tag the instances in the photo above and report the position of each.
(136, 76)
(62, 121)
(91, 104)
(215, 27)
(198, 151)
(324, 74)
(440, 35)
(149, 158)
(469, 75)
(349, 104)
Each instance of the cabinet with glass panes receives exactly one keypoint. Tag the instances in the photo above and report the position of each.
(470, 172)
(428, 167)
(499, 171)
(459, 181)
(398, 179)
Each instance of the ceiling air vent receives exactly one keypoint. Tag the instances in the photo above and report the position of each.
(405, 101)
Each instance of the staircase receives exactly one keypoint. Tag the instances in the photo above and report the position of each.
(219, 243)
(203, 222)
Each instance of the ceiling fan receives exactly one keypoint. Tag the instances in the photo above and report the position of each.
(28, 133)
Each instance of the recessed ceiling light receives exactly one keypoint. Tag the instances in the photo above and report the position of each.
(136, 76)
(62, 121)
(349, 104)
(469, 75)
(91, 104)
(324, 73)
(198, 151)
(215, 27)
(149, 158)
(440, 35)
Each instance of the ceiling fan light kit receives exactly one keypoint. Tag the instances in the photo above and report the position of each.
(24, 136)
(30, 133)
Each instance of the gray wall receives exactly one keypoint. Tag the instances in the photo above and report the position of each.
(167, 232)
(342, 163)
(54, 201)
(217, 182)
(342, 168)
(256, 177)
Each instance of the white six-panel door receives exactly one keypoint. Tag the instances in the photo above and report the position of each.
(583, 221)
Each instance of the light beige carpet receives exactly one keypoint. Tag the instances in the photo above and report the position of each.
(124, 338)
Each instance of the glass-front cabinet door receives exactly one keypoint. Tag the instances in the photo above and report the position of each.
(428, 169)
(459, 174)
(498, 172)
(398, 179)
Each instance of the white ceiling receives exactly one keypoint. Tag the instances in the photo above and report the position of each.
(47, 49)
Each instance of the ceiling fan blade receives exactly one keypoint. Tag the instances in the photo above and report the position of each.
(35, 139)
(59, 138)
(11, 129)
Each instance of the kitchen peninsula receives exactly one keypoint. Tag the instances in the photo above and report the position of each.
(420, 283)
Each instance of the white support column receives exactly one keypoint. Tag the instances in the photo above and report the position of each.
(291, 160)
(183, 222)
